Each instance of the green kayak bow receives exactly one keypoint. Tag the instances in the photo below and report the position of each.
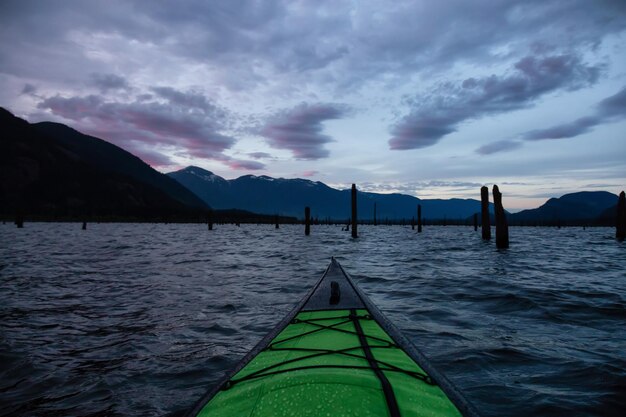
(335, 354)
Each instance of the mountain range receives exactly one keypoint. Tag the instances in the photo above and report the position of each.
(51, 171)
(263, 194)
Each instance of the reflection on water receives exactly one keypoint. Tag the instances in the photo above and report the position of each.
(141, 319)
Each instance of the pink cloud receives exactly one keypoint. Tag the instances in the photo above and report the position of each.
(142, 125)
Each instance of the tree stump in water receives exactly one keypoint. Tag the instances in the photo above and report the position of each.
(307, 221)
(620, 229)
(484, 211)
(354, 231)
(419, 218)
(502, 228)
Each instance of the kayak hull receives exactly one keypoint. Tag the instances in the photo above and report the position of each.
(334, 354)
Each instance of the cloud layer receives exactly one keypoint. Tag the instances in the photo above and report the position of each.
(610, 109)
(442, 111)
(209, 82)
(300, 129)
(186, 122)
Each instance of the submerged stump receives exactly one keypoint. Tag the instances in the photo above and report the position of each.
(502, 228)
(354, 219)
(484, 211)
(419, 218)
(375, 221)
(620, 227)
(307, 221)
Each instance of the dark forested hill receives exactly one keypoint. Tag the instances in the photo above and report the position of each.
(575, 208)
(50, 170)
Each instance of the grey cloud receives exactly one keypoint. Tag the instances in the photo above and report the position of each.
(28, 89)
(346, 43)
(499, 146)
(614, 105)
(106, 82)
(300, 129)
(438, 114)
(566, 130)
(190, 99)
(259, 155)
(408, 38)
(610, 109)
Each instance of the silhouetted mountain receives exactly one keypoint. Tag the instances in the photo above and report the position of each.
(50, 170)
(591, 207)
(263, 194)
(107, 157)
(608, 217)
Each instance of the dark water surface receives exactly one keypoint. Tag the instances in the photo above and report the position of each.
(137, 319)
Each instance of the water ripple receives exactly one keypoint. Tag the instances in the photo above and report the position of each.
(141, 319)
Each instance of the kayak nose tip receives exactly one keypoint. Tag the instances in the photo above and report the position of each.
(335, 294)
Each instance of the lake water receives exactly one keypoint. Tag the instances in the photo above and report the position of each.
(141, 319)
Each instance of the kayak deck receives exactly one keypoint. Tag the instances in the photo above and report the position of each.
(334, 355)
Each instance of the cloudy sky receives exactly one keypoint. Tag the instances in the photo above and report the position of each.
(430, 98)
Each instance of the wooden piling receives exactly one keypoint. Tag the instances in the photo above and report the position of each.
(354, 220)
(412, 223)
(419, 218)
(620, 229)
(502, 228)
(84, 225)
(307, 221)
(484, 211)
(375, 222)
(19, 221)
(475, 222)
(276, 218)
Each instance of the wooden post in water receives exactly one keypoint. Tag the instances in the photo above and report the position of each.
(276, 218)
(502, 228)
(307, 221)
(375, 222)
(19, 221)
(475, 222)
(354, 233)
(620, 229)
(412, 223)
(484, 211)
(210, 220)
(419, 218)
(84, 225)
